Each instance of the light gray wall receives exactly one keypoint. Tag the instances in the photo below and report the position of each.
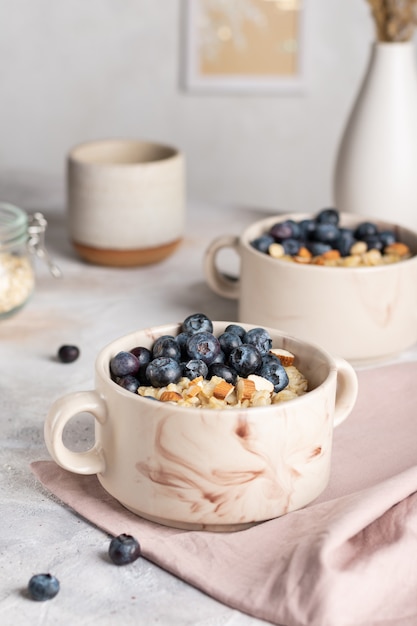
(73, 70)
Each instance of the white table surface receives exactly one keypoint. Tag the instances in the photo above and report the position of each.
(90, 306)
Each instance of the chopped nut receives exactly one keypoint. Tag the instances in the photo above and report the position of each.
(302, 259)
(284, 396)
(245, 388)
(222, 390)
(170, 396)
(216, 403)
(286, 357)
(303, 256)
(192, 391)
(354, 260)
(398, 248)
(372, 257)
(391, 258)
(206, 388)
(261, 383)
(304, 252)
(331, 255)
(359, 247)
(276, 250)
(261, 398)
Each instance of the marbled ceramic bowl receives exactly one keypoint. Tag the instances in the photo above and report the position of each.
(359, 313)
(196, 468)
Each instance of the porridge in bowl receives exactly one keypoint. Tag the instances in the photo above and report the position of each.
(204, 467)
(348, 285)
(321, 240)
(238, 368)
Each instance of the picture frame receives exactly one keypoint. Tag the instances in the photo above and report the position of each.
(244, 46)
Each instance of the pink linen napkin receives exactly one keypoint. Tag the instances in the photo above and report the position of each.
(348, 559)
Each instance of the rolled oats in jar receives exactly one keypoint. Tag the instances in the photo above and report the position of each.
(21, 237)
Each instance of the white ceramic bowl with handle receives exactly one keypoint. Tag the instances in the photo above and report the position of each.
(198, 468)
(362, 314)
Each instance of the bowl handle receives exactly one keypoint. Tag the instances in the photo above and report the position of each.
(221, 284)
(89, 462)
(346, 392)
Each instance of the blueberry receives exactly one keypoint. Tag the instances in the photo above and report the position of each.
(235, 328)
(124, 549)
(317, 248)
(130, 383)
(228, 341)
(204, 346)
(166, 346)
(272, 369)
(163, 371)
(220, 358)
(142, 376)
(43, 587)
(68, 354)
(291, 246)
(143, 355)
(181, 340)
(326, 233)
(346, 241)
(285, 230)
(124, 363)
(259, 338)
(198, 322)
(365, 229)
(222, 370)
(245, 359)
(193, 368)
(262, 243)
(387, 237)
(328, 216)
(307, 228)
(373, 242)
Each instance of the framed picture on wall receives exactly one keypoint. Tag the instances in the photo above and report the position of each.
(244, 46)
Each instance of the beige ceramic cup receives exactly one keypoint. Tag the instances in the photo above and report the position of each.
(361, 314)
(125, 201)
(208, 469)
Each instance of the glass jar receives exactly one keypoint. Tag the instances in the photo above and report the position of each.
(21, 237)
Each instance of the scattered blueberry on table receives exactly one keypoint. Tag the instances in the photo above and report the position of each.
(68, 353)
(43, 587)
(124, 549)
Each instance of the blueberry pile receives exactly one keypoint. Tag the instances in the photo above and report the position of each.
(195, 352)
(321, 234)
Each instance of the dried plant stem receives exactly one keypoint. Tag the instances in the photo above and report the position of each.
(395, 20)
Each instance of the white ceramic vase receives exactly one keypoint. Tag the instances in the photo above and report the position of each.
(376, 166)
